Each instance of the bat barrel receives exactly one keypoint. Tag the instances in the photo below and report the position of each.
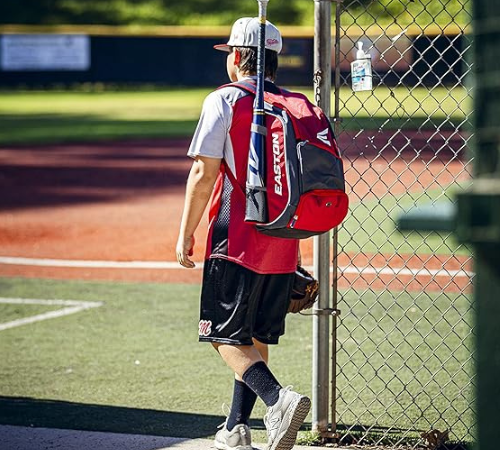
(261, 55)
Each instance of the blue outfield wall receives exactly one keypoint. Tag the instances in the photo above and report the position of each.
(191, 62)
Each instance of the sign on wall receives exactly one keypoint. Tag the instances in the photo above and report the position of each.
(44, 52)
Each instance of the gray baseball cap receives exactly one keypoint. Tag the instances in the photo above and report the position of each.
(245, 33)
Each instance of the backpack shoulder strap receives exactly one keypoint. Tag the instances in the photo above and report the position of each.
(245, 85)
(250, 87)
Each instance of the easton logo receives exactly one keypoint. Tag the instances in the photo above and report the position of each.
(322, 136)
(272, 41)
(205, 327)
(277, 156)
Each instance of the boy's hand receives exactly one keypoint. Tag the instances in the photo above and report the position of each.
(184, 249)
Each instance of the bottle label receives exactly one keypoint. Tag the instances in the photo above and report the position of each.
(361, 75)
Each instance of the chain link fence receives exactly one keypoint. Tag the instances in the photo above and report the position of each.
(404, 369)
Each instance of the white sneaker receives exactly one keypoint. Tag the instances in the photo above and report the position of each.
(239, 438)
(284, 419)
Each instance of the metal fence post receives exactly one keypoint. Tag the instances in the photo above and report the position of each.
(337, 84)
(321, 366)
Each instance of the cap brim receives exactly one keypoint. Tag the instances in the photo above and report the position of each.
(222, 47)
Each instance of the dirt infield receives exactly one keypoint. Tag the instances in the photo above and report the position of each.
(122, 201)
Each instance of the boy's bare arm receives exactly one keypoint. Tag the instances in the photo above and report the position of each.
(199, 188)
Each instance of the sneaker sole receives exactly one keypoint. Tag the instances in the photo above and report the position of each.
(221, 446)
(287, 441)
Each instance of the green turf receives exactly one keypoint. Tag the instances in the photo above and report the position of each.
(407, 102)
(31, 117)
(408, 356)
(138, 351)
(54, 128)
(10, 312)
(38, 117)
(370, 226)
(134, 365)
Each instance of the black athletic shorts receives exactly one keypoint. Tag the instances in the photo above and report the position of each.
(238, 304)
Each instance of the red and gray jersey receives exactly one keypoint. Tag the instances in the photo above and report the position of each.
(223, 132)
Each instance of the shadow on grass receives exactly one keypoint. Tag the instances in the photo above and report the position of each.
(57, 414)
(393, 437)
(30, 412)
(36, 129)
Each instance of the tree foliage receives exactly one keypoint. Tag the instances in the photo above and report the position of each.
(407, 12)
(143, 12)
(224, 12)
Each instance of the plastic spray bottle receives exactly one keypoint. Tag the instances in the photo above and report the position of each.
(361, 70)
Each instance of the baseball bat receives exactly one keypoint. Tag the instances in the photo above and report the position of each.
(256, 205)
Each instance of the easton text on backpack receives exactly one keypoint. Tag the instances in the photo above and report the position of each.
(305, 182)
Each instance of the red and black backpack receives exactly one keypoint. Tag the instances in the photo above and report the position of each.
(305, 183)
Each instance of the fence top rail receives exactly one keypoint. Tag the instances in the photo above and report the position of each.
(223, 31)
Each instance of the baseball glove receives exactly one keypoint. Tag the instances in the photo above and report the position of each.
(304, 291)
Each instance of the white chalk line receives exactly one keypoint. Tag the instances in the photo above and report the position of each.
(82, 264)
(72, 307)
(169, 265)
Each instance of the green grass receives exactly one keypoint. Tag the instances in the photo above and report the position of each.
(370, 226)
(38, 117)
(406, 102)
(91, 358)
(34, 117)
(408, 356)
(134, 365)
(10, 312)
(148, 105)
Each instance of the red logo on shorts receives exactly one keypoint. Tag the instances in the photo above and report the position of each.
(272, 41)
(205, 327)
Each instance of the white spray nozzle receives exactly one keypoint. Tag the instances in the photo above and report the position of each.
(360, 54)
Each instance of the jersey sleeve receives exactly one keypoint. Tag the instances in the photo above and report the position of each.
(213, 127)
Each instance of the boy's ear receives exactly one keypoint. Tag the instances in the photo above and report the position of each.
(237, 57)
